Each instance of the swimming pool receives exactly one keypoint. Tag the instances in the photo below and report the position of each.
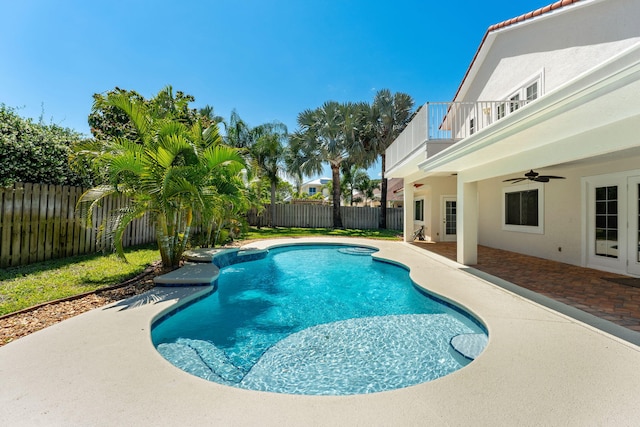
(321, 320)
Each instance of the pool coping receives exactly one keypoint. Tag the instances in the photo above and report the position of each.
(539, 367)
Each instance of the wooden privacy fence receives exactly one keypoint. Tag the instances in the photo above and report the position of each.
(321, 216)
(38, 223)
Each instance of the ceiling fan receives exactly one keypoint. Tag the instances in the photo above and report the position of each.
(533, 176)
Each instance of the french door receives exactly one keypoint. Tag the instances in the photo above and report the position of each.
(449, 219)
(633, 190)
(613, 224)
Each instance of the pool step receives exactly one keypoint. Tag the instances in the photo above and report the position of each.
(469, 345)
(206, 254)
(190, 275)
(223, 257)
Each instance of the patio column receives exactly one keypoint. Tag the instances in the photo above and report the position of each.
(408, 211)
(467, 222)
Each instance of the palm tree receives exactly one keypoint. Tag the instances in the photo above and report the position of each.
(174, 171)
(268, 153)
(208, 116)
(353, 176)
(329, 134)
(238, 132)
(390, 114)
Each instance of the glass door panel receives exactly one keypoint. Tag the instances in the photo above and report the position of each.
(606, 221)
(633, 264)
(450, 219)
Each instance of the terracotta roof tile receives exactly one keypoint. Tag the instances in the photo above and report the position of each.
(546, 9)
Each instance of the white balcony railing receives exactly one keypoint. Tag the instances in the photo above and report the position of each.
(446, 123)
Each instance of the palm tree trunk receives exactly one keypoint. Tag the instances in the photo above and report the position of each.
(163, 241)
(335, 174)
(382, 223)
(177, 253)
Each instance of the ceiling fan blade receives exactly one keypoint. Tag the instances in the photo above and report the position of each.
(541, 179)
(551, 177)
(514, 180)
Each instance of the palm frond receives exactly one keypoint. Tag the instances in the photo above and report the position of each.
(91, 199)
(222, 155)
(134, 110)
(116, 224)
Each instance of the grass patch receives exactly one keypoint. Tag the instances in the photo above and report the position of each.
(25, 286)
(29, 285)
(270, 233)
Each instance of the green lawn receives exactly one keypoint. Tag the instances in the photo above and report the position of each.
(29, 285)
(270, 233)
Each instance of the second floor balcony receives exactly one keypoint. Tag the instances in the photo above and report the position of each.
(438, 125)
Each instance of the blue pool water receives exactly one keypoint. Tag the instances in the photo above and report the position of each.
(322, 320)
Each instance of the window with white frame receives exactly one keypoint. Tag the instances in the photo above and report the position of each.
(312, 191)
(525, 94)
(514, 103)
(418, 213)
(523, 208)
(531, 91)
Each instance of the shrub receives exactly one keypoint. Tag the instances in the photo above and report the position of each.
(37, 153)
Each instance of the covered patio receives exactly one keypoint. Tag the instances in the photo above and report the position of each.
(609, 297)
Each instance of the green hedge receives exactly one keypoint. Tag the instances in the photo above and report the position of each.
(37, 153)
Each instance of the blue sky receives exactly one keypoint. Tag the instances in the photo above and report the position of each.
(269, 60)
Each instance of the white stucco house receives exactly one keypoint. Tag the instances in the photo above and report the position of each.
(556, 92)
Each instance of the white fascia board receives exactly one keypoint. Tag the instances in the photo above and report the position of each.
(609, 76)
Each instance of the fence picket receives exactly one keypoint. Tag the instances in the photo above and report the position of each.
(16, 232)
(62, 216)
(42, 222)
(25, 238)
(34, 223)
(7, 220)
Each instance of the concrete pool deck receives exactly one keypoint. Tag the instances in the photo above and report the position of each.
(540, 367)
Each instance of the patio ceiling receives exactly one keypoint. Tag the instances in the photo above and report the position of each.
(595, 115)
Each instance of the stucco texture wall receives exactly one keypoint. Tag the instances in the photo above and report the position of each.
(556, 47)
(563, 213)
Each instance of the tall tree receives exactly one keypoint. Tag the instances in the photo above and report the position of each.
(390, 115)
(352, 178)
(238, 132)
(171, 170)
(268, 153)
(108, 122)
(329, 134)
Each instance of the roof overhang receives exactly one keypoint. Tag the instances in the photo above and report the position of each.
(598, 113)
(495, 30)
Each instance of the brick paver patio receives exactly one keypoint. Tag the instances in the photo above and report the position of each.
(584, 288)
